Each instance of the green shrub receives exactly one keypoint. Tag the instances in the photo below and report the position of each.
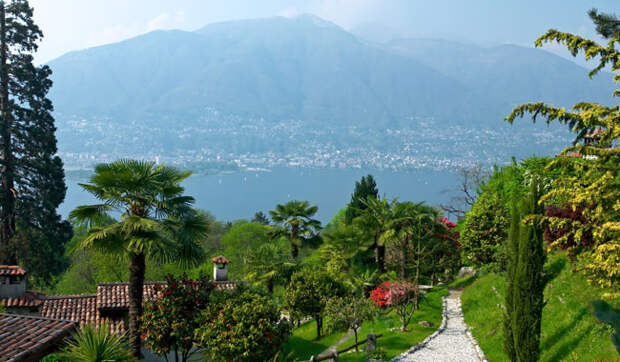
(243, 327)
(91, 344)
(484, 232)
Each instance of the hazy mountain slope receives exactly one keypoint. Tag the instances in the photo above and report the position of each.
(517, 74)
(301, 68)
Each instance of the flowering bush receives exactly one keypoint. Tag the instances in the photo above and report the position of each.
(400, 296)
(168, 322)
(379, 295)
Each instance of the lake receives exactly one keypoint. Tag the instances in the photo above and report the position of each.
(239, 195)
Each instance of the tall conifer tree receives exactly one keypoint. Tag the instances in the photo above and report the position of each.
(31, 175)
(365, 188)
(512, 251)
(529, 284)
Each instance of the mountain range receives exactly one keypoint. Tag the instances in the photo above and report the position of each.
(302, 72)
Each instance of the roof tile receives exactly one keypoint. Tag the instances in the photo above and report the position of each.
(26, 336)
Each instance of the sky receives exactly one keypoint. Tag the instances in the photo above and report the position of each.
(78, 24)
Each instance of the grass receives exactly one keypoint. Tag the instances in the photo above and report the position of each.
(303, 345)
(393, 341)
(569, 330)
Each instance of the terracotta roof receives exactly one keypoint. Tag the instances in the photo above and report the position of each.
(29, 338)
(12, 270)
(81, 308)
(228, 285)
(115, 296)
(597, 133)
(574, 154)
(220, 260)
(30, 299)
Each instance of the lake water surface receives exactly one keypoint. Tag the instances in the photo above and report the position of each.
(239, 195)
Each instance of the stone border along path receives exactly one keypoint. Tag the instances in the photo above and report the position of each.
(452, 341)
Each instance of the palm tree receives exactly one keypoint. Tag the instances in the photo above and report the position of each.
(375, 219)
(268, 263)
(296, 223)
(412, 224)
(156, 222)
(91, 344)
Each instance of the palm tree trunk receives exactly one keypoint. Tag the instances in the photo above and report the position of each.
(7, 202)
(380, 256)
(294, 248)
(294, 251)
(319, 326)
(136, 286)
(403, 261)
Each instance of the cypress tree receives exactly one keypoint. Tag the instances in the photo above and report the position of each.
(366, 187)
(529, 284)
(512, 255)
(31, 175)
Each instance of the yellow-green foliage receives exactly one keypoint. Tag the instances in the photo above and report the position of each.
(569, 330)
(597, 190)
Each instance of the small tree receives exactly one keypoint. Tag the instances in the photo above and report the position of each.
(308, 292)
(348, 313)
(243, 327)
(400, 296)
(169, 321)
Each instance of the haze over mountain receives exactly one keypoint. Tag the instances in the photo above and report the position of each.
(266, 72)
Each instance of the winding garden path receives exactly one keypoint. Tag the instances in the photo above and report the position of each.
(452, 343)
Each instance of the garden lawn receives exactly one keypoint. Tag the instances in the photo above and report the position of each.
(395, 342)
(569, 330)
(303, 345)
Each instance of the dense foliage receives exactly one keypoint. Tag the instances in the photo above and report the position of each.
(242, 327)
(484, 232)
(169, 322)
(364, 188)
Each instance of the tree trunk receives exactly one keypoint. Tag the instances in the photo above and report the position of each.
(355, 331)
(294, 247)
(7, 202)
(270, 285)
(403, 261)
(136, 286)
(380, 256)
(417, 278)
(294, 250)
(319, 326)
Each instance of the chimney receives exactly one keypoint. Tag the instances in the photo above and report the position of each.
(12, 281)
(220, 268)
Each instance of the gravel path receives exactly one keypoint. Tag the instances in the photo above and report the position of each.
(453, 343)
